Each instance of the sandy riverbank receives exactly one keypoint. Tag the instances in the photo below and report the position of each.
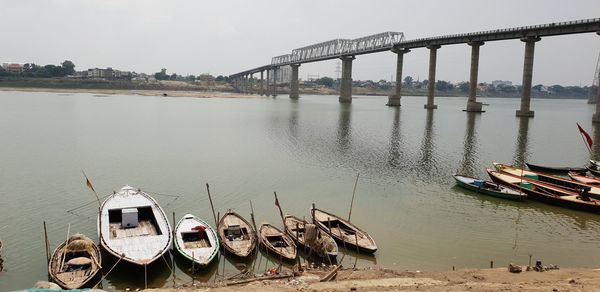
(499, 279)
(175, 93)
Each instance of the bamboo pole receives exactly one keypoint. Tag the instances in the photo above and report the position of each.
(353, 192)
(64, 254)
(211, 203)
(280, 212)
(174, 232)
(47, 243)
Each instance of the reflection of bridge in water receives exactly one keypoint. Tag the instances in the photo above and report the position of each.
(347, 50)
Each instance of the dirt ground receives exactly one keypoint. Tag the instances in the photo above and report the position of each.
(499, 279)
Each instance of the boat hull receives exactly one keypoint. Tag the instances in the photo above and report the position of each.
(545, 193)
(556, 170)
(81, 276)
(240, 245)
(140, 244)
(296, 229)
(349, 237)
(270, 236)
(507, 194)
(199, 246)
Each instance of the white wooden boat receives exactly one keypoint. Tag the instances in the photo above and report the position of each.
(196, 240)
(236, 234)
(132, 225)
(75, 262)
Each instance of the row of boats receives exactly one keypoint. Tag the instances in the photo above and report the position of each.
(133, 227)
(568, 187)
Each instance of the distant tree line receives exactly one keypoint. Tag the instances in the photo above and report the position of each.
(500, 88)
(32, 70)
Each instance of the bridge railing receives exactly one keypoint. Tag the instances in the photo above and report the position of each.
(339, 47)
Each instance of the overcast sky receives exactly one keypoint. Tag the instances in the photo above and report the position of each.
(224, 37)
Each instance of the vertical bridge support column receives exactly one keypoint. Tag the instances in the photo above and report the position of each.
(431, 81)
(346, 86)
(394, 100)
(527, 76)
(274, 92)
(251, 83)
(262, 83)
(294, 90)
(472, 104)
(596, 116)
(268, 82)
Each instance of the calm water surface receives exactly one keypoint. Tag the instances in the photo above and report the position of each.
(308, 151)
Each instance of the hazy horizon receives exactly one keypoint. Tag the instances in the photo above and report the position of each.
(222, 38)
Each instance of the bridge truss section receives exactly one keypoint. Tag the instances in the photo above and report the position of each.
(340, 47)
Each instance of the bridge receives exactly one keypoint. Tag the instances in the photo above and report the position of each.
(348, 49)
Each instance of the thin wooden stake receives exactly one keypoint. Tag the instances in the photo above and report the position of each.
(174, 232)
(47, 243)
(280, 212)
(211, 203)
(252, 217)
(353, 192)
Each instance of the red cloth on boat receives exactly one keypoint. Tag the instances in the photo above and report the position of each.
(199, 228)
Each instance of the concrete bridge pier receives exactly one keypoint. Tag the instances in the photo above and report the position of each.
(394, 100)
(596, 116)
(251, 83)
(267, 87)
(262, 83)
(274, 92)
(527, 77)
(472, 104)
(431, 80)
(346, 82)
(294, 86)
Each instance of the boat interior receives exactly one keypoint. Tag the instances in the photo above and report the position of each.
(336, 224)
(276, 240)
(131, 222)
(236, 232)
(195, 239)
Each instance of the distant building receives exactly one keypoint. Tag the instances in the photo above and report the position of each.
(108, 73)
(13, 67)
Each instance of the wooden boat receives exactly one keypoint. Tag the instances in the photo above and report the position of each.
(277, 243)
(546, 193)
(75, 262)
(588, 180)
(593, 168)
(557, 170)
(196, 240)
(341, 230)
(564, 183)
(132, 225)
(488, 188)
(310, 237)
(236, 235)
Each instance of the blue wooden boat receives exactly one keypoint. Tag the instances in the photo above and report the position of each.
(488, 188)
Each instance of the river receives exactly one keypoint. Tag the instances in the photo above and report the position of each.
(309, 150)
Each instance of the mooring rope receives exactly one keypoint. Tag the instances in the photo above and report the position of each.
(105, 275)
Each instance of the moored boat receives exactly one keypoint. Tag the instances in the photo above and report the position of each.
(341, 230)
(278, 244)
(588, 180)
(488, 188)
(75, 262)
(237, 236)
(564, 183)
(546, 193)
(555, 169)
(310, 237)
(593, 168)
(132, 226)
(196, 240)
